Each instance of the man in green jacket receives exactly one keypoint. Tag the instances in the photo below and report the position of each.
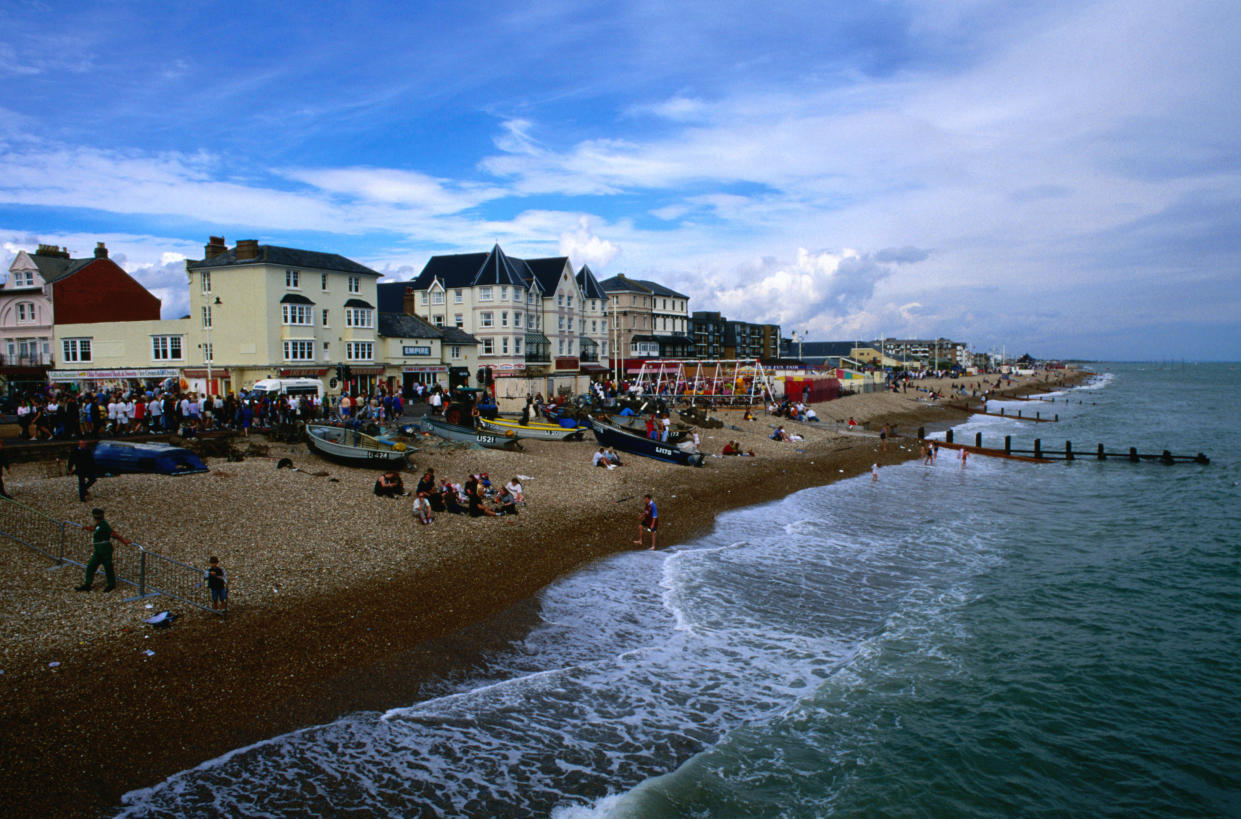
(101, 539)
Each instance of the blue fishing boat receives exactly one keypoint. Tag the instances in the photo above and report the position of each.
(611, 435)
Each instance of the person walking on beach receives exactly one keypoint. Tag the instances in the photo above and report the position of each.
(217, 582)
(649, 521)
(883, 438)
(101, 540)
(82, 464)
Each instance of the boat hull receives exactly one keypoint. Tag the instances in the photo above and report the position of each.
(353, 448)
(613, 436)
(540, 432)
(464, 435)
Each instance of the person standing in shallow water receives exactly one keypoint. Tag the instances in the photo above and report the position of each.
(649, 521)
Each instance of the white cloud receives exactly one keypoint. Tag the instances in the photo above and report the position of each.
(582, 246)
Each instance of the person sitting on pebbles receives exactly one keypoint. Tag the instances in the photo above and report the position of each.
(390, 485)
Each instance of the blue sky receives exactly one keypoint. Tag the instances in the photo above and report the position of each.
(1057, 178)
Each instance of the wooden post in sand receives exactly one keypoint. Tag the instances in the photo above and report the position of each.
(1068, 450)
(978, 439)
(1008, 444)
(948, 436)
(1038, 448)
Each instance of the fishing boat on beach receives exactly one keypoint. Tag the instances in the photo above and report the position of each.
(353, 448)
(465, 435)
(611, 435)
(535, 429)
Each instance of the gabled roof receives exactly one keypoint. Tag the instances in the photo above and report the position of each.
(472, 269)
(55, 268)
(547, 272)
(287, 257)
(589, 284)
(403, 325)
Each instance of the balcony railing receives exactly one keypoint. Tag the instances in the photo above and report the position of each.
(31, 360)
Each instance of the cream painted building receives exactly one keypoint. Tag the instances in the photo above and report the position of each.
(263, 311)
(118, 352)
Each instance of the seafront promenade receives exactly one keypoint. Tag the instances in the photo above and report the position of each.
(329, 582)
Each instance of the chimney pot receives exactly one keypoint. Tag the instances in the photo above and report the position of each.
(101, 250)
(247, 249)
(214, 247)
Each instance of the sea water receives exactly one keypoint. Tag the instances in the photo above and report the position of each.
(987, 638)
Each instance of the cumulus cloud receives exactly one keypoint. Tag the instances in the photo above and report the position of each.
(583, 246)
(818, 290)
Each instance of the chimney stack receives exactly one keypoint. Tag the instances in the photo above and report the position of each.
(214, 247)
(101, 250)
(407, 303)
(247, 249)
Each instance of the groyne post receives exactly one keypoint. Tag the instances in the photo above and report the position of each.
(978, 439)
(1102, 454)
(1038, 448)
(1166, 457)
(1068, 450)
(1008, 444)
(948, 436)
(1133, 454)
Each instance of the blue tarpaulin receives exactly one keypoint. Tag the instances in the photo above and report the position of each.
(163, 459)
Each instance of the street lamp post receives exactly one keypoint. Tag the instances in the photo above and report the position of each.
(210, 350)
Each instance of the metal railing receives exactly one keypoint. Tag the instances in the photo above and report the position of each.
(66, 542)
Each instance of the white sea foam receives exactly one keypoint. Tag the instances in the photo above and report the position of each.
(633, 667)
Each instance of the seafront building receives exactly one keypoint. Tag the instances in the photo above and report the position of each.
(540, 326)
(47, 288)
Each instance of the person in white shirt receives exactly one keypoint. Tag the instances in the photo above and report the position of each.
(514, 488)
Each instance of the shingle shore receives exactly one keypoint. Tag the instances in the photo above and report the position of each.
(328, 581)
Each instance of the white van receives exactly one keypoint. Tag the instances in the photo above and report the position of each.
(289, 386)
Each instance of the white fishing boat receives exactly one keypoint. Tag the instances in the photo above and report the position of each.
(354, 448)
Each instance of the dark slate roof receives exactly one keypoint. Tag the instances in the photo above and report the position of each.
(295, 298)
(659, 290)
(391, 296)
(403, 325)
(55, 268)
(455, 335)
(547, 271)
(359, 303)
(287, 257)
(589, 284)
(620, 283)
(471, 269)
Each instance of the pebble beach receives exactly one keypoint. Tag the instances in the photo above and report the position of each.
(327, 580)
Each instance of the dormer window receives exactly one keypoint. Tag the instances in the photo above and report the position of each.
(23, 278)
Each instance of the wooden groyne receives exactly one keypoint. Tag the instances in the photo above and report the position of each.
(1037, 417)
(1040, 455)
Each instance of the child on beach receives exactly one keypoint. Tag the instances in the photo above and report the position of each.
(217, 582)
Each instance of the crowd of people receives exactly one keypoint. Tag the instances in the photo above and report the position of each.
(67, 415)
(476, 496)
